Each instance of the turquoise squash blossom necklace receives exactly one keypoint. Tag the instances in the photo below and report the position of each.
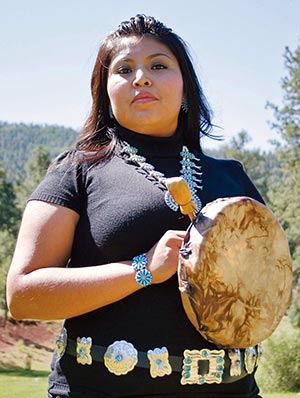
(190, 171)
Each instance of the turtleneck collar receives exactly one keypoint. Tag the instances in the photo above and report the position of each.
(152, 145)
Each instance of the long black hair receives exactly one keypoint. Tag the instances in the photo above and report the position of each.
(99, 131)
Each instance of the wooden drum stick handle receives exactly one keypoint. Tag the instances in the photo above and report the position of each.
(181, 193)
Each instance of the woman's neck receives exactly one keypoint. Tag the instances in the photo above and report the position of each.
(153, 145)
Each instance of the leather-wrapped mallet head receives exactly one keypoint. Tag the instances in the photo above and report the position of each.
(180, 192)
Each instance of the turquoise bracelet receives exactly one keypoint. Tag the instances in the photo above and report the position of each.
(143, 276)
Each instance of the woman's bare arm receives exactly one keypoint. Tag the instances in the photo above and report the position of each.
(39, 286)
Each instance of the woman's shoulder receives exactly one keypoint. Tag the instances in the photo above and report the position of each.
(71, 156)
(64, 181)
(216, 163)
(230, 172)
(71, 162)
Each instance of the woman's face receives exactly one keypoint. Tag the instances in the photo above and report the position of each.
(145, 86)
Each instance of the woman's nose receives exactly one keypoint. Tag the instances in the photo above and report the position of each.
(141, 79)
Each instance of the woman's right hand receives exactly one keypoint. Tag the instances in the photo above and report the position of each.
(163, 257)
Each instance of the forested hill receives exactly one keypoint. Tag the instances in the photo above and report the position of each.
(17, 142)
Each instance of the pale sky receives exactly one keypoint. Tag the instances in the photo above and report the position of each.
(48, 49)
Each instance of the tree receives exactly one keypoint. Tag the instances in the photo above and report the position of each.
(258, 164)
(285, 190)
(9, 218)
(18, 140)
(35, 168)
(7, 245)
(11, 205)
(9, 214)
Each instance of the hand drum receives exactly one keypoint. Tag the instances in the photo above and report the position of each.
(235, 272)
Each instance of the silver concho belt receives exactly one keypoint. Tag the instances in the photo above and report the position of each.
(202, 366)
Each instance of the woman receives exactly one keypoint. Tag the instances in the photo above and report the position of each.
(99, 241)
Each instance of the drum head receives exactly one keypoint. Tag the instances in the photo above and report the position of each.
(235, 272)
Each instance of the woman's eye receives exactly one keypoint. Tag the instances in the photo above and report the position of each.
(159, 66)
(123, 70)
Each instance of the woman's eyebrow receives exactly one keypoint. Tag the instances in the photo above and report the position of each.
(159, 55)
(128, 59)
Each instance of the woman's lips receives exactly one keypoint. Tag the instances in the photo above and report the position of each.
(144, 98)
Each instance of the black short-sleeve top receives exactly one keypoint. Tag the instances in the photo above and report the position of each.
(122, 214)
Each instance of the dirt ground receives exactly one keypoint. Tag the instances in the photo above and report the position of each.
(27, 344)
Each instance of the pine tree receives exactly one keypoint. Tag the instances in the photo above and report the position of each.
(9, 214)
(7, 245)
(35, 168)
(285, 188)
(258, 164)
(9, 220)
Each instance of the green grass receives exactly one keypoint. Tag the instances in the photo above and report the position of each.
(16, 383)
(281, 395)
